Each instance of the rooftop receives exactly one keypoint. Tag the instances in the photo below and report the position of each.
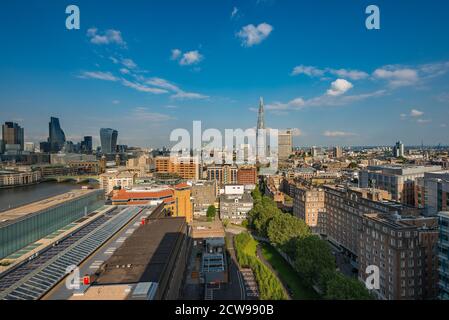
(145, 254)
(20, 212)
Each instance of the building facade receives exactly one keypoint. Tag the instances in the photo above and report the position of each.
(108, 139)
(56, 136)
(308, 205)
(223, 174)
(235, 207)
(398, 180)
(12, 134)
(443, 255)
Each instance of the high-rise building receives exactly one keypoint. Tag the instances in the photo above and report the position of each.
(86, 144)
(12, 134)
(56, 136)
(398, 149)
(260, 135)
(337, 152)
(108, 138)
(284, 144)
(443, 255)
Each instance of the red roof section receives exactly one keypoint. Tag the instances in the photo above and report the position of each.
(125, 195)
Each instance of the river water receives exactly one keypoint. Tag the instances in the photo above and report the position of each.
(19, 196)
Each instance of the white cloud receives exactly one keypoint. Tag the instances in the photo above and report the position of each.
(191, 57)
(187, 58)
(142, 88)
(339, 87)
(423, 121)
(397, 76)
(296, 132)
(295, 104)
(175, 54)
(416, 113)
(130, 64)
(308, 70)
(107, 76)
(124, 71)
(162, 83)
(251, 35)
(108, 37)
(337, 134)
(115, 102)
(234, 12)
(144, 114)
(312, 71)
(182, 95)
(350, 74)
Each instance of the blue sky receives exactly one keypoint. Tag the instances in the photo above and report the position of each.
(148, 67)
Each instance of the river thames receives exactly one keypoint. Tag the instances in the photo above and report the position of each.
(19, 196)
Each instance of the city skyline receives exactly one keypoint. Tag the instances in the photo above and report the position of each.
(148, 78)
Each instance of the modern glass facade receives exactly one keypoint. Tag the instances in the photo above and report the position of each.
(108, 139)
(443, 255)
(56, 137)
(33, 227)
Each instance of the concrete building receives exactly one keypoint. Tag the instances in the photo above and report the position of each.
(432, 192)
(177, 199)
(223, 174)
(13, 178)
(308, 205)
(26, 224)
(204, 194)
(396, 179)
(186, 167)
(117, 180)
(398, 150)
(403, 247)
(149, 265)
(443, 255)
(337, 152)
(284, 144)
(235, 207)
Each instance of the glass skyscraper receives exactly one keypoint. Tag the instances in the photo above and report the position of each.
(56, 137)
(108, 139)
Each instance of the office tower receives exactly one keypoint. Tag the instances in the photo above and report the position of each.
(86, 144)
(337, 152)
(260, 135)
(108, 138)
(443, 255)
(56, 137)
(284, 144)
(12, 134)
(396, 179)
(398, 149)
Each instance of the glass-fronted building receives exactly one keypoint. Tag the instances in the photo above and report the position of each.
(108, 139)
(443, 255)
(22, 226)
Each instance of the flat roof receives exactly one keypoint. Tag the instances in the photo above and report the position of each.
(34, 207)
(144, 255)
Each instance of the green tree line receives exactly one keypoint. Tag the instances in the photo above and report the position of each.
(269, 285)
(312, 257)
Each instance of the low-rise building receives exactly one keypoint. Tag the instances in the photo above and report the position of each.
(235, 207)
(204, 194)
(117, 180)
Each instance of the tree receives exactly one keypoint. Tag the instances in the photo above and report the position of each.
(340, 287)
(314, 259)
(211, 211)
(283, 227)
